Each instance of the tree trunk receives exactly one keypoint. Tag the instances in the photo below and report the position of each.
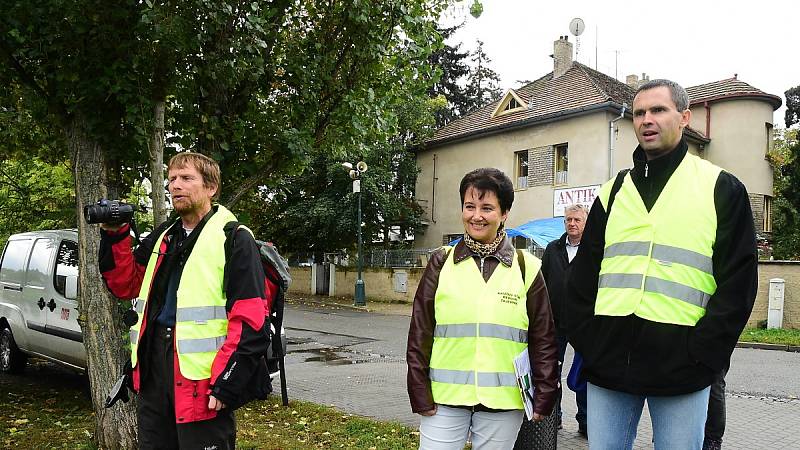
(157, 164)
(103, 332)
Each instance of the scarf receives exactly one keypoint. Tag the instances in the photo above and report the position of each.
(484, 250)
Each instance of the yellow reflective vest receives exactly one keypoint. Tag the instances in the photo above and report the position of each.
(201, 322)
(657, 264)
(481, 326)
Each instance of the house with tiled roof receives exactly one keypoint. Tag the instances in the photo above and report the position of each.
(563, 135)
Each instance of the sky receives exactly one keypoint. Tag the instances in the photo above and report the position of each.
(690, 42)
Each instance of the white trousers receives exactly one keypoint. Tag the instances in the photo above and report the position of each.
(449, 428)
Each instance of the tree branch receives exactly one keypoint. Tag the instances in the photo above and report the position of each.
(250, 183)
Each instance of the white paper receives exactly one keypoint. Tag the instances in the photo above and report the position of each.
(522, 367)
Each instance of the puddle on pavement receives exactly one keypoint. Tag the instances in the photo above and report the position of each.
(329, 356)
(328, 348)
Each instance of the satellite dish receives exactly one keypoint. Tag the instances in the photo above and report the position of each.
(576, 26)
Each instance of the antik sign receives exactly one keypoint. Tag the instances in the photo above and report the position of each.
(583, 195)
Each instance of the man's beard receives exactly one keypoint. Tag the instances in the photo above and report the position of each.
(187, 207)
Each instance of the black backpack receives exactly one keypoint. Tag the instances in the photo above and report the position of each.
(277, 281)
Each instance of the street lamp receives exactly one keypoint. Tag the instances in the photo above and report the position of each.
(359, 298)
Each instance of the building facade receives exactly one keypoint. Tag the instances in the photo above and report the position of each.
(560, 137)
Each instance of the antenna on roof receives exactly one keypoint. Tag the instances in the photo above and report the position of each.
(576, 27)
(595, 47)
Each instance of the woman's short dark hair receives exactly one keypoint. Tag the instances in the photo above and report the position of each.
(491, 180)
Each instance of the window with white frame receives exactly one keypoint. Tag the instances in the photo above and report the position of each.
(521, 169)
(561, 164)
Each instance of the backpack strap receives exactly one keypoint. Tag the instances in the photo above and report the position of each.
(615, 188)
(521, 261)
(230, 230)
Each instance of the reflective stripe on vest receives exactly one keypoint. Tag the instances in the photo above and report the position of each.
(653, 266)
(200, 313)
(201, 320)
(496, 379)
(480, 328)
(676, 290)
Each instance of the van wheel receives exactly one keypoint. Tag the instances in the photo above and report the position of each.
(11, 359)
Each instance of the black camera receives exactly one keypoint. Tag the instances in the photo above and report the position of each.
(112, 212)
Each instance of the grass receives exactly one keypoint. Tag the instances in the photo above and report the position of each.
(771, 336)
(45, 408)
(48, 408)
(302, 425)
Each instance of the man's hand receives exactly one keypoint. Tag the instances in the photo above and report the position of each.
(431, 412)
(215, 404)
(538, 417)
(110, 227)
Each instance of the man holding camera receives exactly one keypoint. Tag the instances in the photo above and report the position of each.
(195, 348)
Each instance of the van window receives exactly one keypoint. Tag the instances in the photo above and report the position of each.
(66, 264)
(39, 264)
(14, 257)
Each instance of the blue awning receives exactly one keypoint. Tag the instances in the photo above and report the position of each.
(541, 231)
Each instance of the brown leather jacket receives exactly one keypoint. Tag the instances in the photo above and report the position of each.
(541, 331)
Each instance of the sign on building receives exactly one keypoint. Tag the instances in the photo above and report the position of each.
(583, 195)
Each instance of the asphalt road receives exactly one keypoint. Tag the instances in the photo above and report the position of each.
(355, 361)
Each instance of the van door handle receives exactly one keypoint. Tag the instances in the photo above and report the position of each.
(51, 304)
(40, 303)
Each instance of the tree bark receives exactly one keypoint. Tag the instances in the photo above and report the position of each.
(157, 164)
(99, 318)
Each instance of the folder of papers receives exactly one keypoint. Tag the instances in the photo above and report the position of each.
(522, 367)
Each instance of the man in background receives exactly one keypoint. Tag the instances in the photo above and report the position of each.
(556, 260)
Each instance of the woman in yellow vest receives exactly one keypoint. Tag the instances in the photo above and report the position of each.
(479, 305)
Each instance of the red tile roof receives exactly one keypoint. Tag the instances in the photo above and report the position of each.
(579, 89)
(729, 88)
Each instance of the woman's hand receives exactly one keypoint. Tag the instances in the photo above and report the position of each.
(538, 417)
(431, 412)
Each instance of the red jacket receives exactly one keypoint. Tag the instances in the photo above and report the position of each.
(123, 270)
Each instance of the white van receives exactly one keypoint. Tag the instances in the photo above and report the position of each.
(38, 300)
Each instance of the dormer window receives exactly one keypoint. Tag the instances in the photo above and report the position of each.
(510, 103)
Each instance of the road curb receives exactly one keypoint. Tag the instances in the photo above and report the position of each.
(350, 307)
(761, 346)
(311, 301)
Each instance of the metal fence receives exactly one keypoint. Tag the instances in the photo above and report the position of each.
(372, 258)
(379, 257)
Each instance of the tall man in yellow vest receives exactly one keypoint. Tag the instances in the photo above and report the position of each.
(195, 348)
(663, 283)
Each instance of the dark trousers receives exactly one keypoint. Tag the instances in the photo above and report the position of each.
(156, 408)
(715, 421)
(580, 396)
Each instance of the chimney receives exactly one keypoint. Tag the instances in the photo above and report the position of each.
(645, 78)
(632, 81)
(562, 56)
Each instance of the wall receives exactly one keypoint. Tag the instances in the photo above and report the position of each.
(301, 280)
(790, 272)
(739, 140)
(379, 284)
